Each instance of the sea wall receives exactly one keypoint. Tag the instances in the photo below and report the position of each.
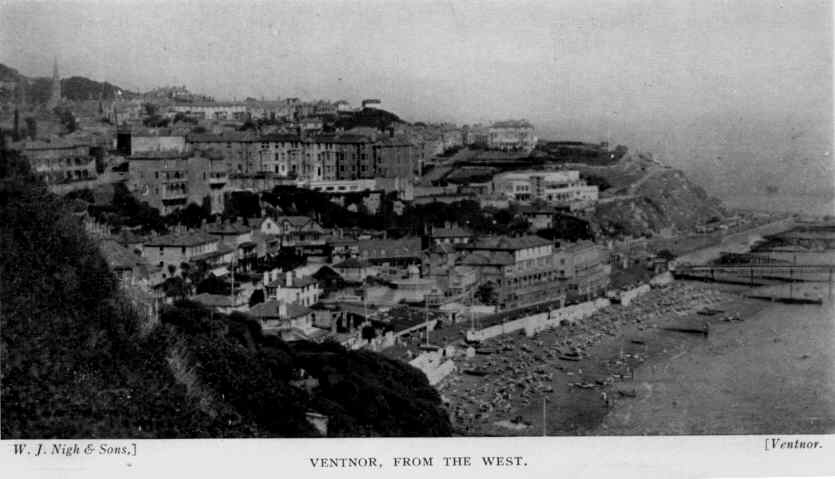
(662, 279)
(540, 321)
(626, 297)
(435, 365)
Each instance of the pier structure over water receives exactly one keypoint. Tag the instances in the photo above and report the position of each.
(756, 274)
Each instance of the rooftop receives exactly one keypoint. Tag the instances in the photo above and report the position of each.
(296, 282)
(190, 238)
(270, 309)
(512, 124)
(449, 231)
(225, 137)
(226, 229)
(118, 257)
(485, 258)
(216, 300)
(351, 263)
(160, 154)
(506, 243)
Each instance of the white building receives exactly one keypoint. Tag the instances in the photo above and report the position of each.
(213, 110)
(511, 135)
(292, 289)
(559, 188)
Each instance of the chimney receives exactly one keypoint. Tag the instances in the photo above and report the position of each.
(282, 309)
(266, 278)
(288, 278)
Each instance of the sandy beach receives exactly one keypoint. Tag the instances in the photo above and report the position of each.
(647, 369)
(771, 374)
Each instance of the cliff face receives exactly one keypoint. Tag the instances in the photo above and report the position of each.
(647, 197)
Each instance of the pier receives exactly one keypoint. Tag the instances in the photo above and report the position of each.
(756, 274)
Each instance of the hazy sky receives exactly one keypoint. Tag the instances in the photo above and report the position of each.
(718, 88)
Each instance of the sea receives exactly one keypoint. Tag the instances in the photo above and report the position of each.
(773, 373)
(806, 204)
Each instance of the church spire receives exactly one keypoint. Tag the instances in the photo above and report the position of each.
(55, 94)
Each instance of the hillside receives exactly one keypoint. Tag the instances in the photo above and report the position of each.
(645, 196)
(371, 117)
(37, 89)
(77, 361)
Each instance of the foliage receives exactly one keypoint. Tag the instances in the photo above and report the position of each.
(192, 216)
(75, 362)
(67, 118)
(567, 228)
(597, 180)
(487, 294)
(242, 204)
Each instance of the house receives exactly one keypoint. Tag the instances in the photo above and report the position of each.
(223, 303)
(539, 217)
(293, 289)
(450, 234)
(128, 266)
(233, 234)
(337, 319)
(355, 270)
(329, 279)
(343, 248)
(562, 188)
(511, 135)
(522, 271)
(237, 236)
(266, 225)
(294, 229)
(279, 317)
(388, 252)
(171, 251)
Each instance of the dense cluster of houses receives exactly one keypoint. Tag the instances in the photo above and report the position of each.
(297, 278)
(357, 281)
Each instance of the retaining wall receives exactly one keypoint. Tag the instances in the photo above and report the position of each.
(627, 296)
(435, 365)
(540, 321)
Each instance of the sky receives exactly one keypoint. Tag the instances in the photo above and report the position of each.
(734, 92)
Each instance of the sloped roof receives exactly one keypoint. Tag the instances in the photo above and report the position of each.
(487, 258)
(296, 221)
(388, 248)
(190, 238)
(297, 282)
(225, 137)
(508, 243)
(215, 300)
(351, 263)
(228, 229)
(118, 257)
(270, 309)
(454, 231)
(512, 124)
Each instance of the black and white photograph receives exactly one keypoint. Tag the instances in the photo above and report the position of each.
(414, 219)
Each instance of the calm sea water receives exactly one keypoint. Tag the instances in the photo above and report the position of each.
(806, 204)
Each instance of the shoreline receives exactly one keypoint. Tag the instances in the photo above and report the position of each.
(609, 344)
(771, 374)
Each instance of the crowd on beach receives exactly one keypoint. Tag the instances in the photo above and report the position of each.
(510, 372)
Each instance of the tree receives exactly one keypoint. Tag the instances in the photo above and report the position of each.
(666, 255)
(256, 298)
(487, 294)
